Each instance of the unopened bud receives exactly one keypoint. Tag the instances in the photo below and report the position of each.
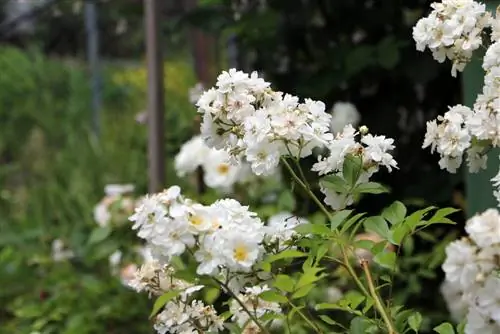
(480, 278)
(363, 129)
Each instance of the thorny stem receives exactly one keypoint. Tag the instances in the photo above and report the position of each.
(376, 298)
(346, 262)
(247, 311)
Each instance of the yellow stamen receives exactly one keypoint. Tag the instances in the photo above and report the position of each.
(223, 169)
(240, 253)
(196, 220)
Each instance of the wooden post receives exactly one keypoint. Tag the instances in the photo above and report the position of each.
(92, 33)
(155, 111)
(478, 187)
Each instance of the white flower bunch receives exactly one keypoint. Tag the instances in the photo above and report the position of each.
(179, 315)
(219, 170)
(224, 235)
(257, 306)
(225, 238)
(280, 228)
(451, 138)
(244, 116)
(195, 317)
(453, 30)
(472, 285)
(471, 131)
(156, 279)
(373, 151)
(115, 206)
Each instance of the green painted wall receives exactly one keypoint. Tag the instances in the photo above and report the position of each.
(478, 187)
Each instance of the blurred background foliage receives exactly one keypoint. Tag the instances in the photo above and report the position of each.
(53, 169)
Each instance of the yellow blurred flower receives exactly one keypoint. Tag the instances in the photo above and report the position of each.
(178, 78)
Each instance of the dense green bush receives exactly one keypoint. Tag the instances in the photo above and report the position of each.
(52, 171)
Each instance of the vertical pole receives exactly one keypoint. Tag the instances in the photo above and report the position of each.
(93, 58)
(478, 187)
(156, 135)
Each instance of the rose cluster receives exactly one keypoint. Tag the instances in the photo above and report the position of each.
(224, 236)
(244, 116)
(219, 171)
(373, 150)
(471, 131)
(226, 240)
(472, 285)
(453, 30)
(181, 314)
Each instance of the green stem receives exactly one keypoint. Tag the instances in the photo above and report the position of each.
(376, 298)
(347, 264)
(306, 319)
(307, 189)
(247, 311)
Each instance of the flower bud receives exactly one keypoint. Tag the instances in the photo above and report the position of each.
(363, 129)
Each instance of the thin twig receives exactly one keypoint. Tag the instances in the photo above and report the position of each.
(376, 298)
(250, 314)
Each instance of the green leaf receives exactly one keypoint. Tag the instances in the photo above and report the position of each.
(162, 300)
(386, 259)
(266, 266)
(99, 234)
(461, 327)
(273, 296)
(359, 325)
(211, 295)
(444, 328)
(336, 183)
(364, 244)
(305, 229)
(415, 320)
(415, 218)
(370, 188)
(369, 302)
(286, 254)
(353, 299)
(377, 225)
(358, 58)
(395, 213)
(309, 276)
(401, 319)
(338, 218)
(326, 306)
(440, 216)
(388, 52)
(284, 283)
(302, 291)
(398, 233)
(353, 220)
(328, 320)
(322, 251)
(286, 201)
(352, 168)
